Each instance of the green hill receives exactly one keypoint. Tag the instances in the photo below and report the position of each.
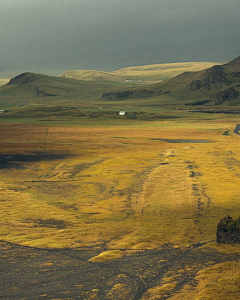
(218, 85)
(148, 74)
(38, 85)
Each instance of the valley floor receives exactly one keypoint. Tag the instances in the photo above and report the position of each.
(118, 209)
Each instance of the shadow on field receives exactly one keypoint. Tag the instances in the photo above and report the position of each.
(16, 161)
(181, 141)
(30, 273)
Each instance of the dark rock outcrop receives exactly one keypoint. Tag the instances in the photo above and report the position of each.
(228, 231)
(148, 92)
(117, 95)
(235, 74)
(216, 74)
(195, 85)
(42, 93)
(226, 95)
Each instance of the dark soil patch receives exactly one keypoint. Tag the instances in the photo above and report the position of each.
(29, 273)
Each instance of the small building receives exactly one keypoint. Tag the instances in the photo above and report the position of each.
(122, 113)
(2, 111)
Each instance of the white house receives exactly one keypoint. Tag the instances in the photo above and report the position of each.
(122, 113)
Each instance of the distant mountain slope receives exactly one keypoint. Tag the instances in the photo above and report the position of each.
(217, 85)
(37, 85)
(148, 74)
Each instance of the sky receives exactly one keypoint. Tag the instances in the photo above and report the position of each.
(59, 35)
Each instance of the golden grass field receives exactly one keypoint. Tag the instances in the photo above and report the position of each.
(119, 185)
(218, 282)
(147, 74)
(125, 185)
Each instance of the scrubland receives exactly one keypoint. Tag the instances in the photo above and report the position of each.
(123, 185)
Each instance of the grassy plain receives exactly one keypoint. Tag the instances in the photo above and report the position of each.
(122, 184)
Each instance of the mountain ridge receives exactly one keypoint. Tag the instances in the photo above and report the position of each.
(216, 85)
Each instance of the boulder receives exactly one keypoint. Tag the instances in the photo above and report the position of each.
(228, 231)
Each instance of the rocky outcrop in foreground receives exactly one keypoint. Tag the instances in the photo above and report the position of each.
(228, 231)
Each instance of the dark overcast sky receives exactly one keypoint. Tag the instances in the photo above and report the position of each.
(113, 34)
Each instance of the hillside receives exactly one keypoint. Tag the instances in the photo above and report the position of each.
(148, 74)
(217, 85)
(31, 85)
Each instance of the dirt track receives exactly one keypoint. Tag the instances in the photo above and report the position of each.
(30, 273)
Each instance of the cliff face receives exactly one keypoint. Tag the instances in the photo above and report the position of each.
(228, 231)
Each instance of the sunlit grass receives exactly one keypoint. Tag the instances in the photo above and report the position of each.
(221, 281)
(107, 255)
(119, 185)
(140, 74)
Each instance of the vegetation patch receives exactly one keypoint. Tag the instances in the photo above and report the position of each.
(221, 281)
(49, 223)
(159, 291)
(107, 255)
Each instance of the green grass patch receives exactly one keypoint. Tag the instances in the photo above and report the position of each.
(107, 255)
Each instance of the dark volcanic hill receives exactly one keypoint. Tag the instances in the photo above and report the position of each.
(217, 85)
(37, 85)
